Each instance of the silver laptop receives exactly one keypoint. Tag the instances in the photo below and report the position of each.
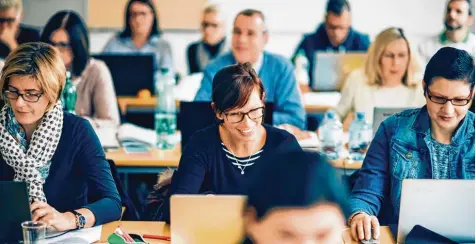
(442, 206)
(380, 114)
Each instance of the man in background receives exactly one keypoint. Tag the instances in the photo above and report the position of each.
(11, 32)
(334, 35)
(212, 44)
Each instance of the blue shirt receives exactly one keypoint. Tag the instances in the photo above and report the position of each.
(319, 41)
(205, 168)
(277, 75)
(403, 149)
(79, 175)
(157, 46)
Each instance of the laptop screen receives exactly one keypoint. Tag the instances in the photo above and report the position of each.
(15, 210)
(380, 114)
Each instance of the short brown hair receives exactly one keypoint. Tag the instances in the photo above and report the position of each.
(41, 62)
(233, 86)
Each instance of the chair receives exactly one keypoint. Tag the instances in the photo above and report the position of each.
(130, 212)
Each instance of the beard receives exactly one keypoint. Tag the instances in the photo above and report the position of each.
(451, 27)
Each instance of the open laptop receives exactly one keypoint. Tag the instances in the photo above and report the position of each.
(380, 114)
(130, 73)
(194, 116)
(446, 207)
(330, 68)
(197, 219)
(15, 209)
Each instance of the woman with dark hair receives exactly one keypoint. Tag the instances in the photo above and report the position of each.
(97, 100)
(142, 35)
(220, 158)
(295, 197)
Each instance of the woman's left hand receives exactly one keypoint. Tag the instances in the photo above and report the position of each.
(43, 212)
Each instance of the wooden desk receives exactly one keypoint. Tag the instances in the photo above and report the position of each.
(386, 236)
(160, 228)
(125, 102)
(137, 227)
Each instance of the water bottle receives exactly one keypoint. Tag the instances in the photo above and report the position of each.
(360, 136)
(330, 136)
(165, 110)
(301, 71)
(69, 95)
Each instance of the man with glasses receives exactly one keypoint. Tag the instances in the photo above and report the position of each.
(334, 35)
(249, 38)
(212, 44)
(432, 142)
(11, 32)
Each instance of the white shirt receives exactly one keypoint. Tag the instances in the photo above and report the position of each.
(429, 47)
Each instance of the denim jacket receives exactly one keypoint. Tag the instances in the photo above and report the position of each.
(399, 149)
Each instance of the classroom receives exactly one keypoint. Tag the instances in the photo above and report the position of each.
(237, 121)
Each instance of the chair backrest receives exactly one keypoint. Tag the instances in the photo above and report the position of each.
(130, 212)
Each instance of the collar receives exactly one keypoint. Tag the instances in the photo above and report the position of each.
(259, 63)
(444, 40)
(465, 129)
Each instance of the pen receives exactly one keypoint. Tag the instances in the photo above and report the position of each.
(164, 238)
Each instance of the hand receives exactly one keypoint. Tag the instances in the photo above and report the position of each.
(8, 36)
(42, 212)
(363, 226)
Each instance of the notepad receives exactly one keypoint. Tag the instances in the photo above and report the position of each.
(88, 235)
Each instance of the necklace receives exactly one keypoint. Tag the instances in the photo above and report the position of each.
(241, 166)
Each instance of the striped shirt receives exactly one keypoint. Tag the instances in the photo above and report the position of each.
(243, 162)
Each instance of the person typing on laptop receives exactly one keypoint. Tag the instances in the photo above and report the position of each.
(57, 153)
(220, 158)
(432, 142)
(247, 45)
(389, 78)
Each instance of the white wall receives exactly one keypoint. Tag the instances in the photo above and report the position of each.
(288, 20)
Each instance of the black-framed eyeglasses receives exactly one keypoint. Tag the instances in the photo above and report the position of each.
(205, 24)
(444, 100)
(237, 117)
(27, 96)
(62, 45)
(7, 20)
(138, 14)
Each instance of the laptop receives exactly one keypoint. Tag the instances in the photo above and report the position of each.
(15, 210)
(330, 68)
(380, 114)
(194, 116)
(446, 207)
(130, 73)
(197, 219)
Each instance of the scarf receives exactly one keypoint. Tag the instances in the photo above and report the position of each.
(31, 161)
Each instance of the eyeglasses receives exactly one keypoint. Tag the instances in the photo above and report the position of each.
(7, 20)
(253, 114)
(28, 97)
(60, 45)
(444, 100)
(208, 24)
(138, 14)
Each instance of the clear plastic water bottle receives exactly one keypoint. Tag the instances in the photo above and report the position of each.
(165, 110)
(69, 95)
(330, 136)
(360, 136)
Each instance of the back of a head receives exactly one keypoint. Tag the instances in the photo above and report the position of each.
(295, 179)
(452, 64)
(337, 6)
(8, 4)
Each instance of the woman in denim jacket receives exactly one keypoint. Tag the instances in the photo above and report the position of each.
(432, 142)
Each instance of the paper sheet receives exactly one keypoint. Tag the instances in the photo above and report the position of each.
(88, 235)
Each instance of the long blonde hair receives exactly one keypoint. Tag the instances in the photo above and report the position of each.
(41, 62)
(374, 55)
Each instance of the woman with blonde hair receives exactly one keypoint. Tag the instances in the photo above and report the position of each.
(389, 79)
(57, 153)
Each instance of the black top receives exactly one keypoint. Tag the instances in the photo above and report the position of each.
(26, 34)
(79, 175)
(192, 56)
(205, 168)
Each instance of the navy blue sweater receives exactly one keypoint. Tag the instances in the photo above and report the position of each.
(204, 166)
(319, 41)
(79, 176)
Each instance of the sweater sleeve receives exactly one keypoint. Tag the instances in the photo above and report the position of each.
(346, 102)
(106, 204)
(204, 93)
(288, 104)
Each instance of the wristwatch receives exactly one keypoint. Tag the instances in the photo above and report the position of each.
(80, 220)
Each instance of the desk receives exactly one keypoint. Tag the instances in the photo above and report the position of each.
(386, 236)
(160, 228)
(149, 102)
